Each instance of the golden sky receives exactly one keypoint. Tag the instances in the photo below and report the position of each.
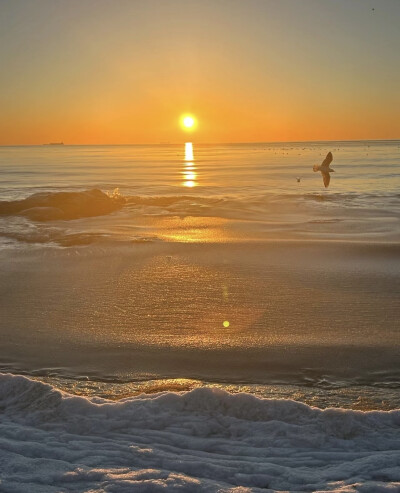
(124, 71)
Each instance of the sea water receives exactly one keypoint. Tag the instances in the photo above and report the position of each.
(150, 280)
(252, 191)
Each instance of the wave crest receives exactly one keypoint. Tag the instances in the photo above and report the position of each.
(48, 206)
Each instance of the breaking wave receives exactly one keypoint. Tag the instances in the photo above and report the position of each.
(48, 206)
(45, 218)
(205, 440)
(67, 205)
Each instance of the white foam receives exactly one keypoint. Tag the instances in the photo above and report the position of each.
(206, 440)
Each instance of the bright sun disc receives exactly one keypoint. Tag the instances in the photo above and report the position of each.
(188, 122)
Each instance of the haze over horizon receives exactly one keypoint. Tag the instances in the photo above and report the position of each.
(99, 72)
(184, 141)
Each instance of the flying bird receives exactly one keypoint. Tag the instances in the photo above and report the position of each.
(325, 169)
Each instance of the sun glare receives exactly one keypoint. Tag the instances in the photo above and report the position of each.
(188, 122)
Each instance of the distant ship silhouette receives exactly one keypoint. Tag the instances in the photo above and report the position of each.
(56, 143)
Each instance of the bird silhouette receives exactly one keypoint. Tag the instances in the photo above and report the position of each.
(325, 169)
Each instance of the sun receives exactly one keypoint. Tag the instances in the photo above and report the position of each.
(188, 122)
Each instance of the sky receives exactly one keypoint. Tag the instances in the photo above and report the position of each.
(124, 71)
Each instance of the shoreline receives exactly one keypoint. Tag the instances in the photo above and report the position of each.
(295, 309)
(203, 440)
(321, 393)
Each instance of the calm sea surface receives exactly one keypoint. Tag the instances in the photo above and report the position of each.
(168, 266)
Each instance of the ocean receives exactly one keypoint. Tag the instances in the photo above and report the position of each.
(200, 318)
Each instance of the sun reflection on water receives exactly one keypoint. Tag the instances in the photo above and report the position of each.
(189, 174)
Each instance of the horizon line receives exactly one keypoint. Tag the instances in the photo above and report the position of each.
(202, 143)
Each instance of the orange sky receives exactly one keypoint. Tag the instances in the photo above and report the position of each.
(100, 72)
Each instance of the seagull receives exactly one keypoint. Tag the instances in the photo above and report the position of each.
(325, 169)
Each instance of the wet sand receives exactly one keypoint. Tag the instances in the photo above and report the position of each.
(296, 310)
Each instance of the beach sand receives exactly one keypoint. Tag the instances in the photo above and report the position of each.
(155, 310)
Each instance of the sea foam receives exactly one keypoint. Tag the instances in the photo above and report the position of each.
(205, 440)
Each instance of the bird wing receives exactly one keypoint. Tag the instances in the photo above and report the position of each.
(327, 161)
(327, 178)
